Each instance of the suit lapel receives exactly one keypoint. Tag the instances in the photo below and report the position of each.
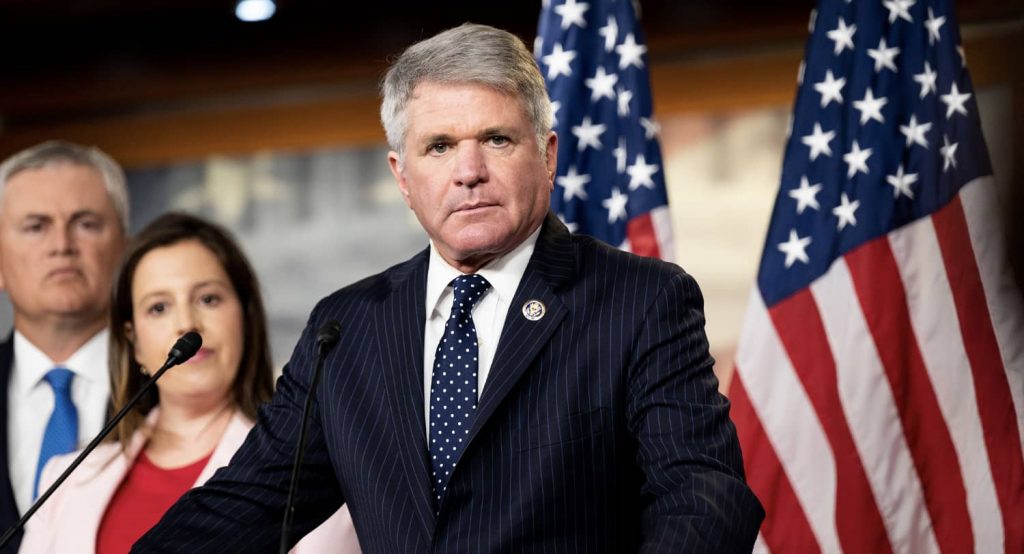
(400, 328)
(8, 508)
(552, 264)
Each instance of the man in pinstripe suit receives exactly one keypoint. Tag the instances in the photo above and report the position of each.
(593, 425)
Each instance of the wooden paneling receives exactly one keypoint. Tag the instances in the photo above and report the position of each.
(157, 139)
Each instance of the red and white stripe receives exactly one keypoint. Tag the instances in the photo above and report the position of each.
(650, 234)
(882, 409)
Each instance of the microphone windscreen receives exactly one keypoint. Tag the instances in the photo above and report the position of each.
(185, 347)
(329, 333)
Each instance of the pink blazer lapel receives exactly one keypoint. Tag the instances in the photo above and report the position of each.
(70, 520)
(235, 433)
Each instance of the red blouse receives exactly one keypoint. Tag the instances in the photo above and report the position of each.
(141, 500)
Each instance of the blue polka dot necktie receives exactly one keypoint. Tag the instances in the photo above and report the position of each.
(453, 383)
(61, 435)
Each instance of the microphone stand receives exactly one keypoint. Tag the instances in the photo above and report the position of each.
(325, 340)
(178, 354)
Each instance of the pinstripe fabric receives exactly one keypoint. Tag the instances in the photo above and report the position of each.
(600, 428)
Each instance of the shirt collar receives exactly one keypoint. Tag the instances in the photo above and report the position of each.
(89, 362)
(503, 273)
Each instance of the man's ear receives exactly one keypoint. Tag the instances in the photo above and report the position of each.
(395, 164)
(551, 158)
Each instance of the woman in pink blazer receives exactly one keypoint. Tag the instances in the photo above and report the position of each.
(180, 274)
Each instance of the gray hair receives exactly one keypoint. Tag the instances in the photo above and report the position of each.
(55, 152)
(467, 54)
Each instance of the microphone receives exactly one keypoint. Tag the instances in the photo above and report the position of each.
(183, 349)
(326, 337)
(329, 334)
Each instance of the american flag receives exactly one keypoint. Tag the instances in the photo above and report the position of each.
(610, 181)
(879, 386)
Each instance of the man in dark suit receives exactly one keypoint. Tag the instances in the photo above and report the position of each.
(63, 220)
(593, 425)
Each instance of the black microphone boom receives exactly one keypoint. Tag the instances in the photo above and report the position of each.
(183, 349)
(326, 337)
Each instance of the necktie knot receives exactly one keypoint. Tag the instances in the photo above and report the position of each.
(468, 289)
(59, 379)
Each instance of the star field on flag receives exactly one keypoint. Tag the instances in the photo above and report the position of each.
(610, 181)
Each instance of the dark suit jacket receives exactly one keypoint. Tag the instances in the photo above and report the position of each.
(8, 509)
(599, 429)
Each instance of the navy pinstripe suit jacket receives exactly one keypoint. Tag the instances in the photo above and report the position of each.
(600, 427)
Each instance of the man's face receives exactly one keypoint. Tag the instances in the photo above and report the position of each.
(60, 242)
(472, 171)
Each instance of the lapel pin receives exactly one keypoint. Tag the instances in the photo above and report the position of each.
(533, 310)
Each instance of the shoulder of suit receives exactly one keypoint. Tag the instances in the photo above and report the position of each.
(6, 354)
(613, 260)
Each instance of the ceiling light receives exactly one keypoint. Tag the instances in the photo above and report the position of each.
(255, 10)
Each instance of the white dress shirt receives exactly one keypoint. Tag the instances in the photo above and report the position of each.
(30, 403)
(489, 312)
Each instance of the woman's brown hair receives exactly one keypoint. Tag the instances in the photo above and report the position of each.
(254, 383)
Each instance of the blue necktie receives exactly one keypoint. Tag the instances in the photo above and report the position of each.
(61, 434)
(453, 383)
